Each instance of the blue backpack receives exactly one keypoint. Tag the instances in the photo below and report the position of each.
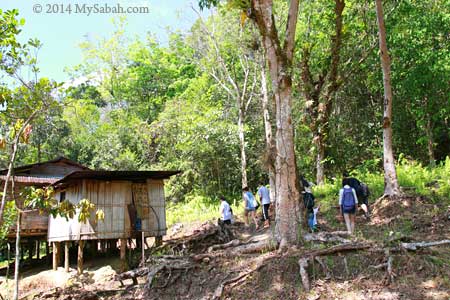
(348, 200)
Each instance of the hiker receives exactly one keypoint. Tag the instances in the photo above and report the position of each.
(305, 183)
(348, 203)
(225, 211)
(250, 205)
(362, 191)
(311, 213)
(264, 196)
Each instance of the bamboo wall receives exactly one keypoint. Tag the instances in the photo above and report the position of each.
(114, 198)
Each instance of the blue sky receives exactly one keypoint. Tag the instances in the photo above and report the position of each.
(61, 33)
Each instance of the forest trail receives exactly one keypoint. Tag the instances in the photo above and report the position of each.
(210, 261)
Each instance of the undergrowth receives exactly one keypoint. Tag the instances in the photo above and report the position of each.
(433, 183)
(198, 208)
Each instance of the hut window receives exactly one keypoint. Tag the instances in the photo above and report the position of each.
(62, 196)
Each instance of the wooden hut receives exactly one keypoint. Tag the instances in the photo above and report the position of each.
(133, 203)
(33, 226)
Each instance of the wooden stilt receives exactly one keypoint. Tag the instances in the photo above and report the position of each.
(66, 256)
(38, 249)
(56, 255)
(123, 249)
(158, 240)
(47, 252)
(30, 250)
(143, 247)
(80, 257)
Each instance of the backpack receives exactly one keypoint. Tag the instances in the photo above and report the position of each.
(348, 200)
(364, 190)
(308, 201)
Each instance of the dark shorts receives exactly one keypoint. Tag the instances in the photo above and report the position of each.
(364, 201)
(350, 211)
(227, 222)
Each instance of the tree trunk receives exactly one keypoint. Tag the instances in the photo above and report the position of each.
(429, 133)
(242, 143)
(320, 170)
(17, 262)
(270, 147)
(288, 217)
(391, 187)
(321, 106)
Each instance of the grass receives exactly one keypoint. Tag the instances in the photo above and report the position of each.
(198, 208)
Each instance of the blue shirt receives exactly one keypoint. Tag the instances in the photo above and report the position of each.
(264, 195)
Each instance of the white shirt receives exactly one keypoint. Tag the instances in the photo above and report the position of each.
(264, 195)
(341, 194)
(225, 210)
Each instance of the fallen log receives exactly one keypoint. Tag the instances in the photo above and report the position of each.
(420, 245)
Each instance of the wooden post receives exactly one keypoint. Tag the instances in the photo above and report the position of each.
(143, 247)
(66, 256)
(158, 240)
(56, 255)
(30, 250)
(80, 257)
(47, 252)
(38, 249)
(123, 249)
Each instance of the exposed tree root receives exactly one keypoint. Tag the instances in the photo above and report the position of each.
(241, 248)
(419, 245)
(328, 237)
(260, 263)
(303, 264)
(199, 241)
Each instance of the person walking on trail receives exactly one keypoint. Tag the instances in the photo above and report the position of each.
(309, 202)
(348, 203)
(264, 196)
(362, 191)
(225, 211)
(250, 207)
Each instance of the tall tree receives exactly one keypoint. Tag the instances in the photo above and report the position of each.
(279, 57)
(391, 187)
(319, 89)
(230, 61)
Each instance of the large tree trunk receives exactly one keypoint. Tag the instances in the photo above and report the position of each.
(391, 187)
(242, 144)
(270, 145)
(288, 217)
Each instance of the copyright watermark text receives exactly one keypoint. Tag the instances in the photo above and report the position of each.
(88, 9)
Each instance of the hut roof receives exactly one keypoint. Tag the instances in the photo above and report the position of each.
(115, 175)
(25, 168)
(32, 179)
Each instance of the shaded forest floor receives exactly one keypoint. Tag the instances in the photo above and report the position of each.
(193, 263)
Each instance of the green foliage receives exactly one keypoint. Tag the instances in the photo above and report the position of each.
(43, 200)
(198, 208)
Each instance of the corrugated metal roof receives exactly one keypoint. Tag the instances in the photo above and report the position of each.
(116, 175)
